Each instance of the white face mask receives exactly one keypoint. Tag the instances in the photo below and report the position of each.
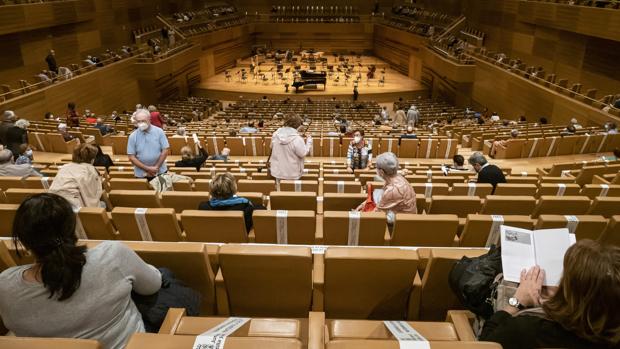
(143, 126)
(357, 139)
(29, 153)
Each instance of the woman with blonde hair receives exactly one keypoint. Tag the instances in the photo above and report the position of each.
(224, 198)
(79, 181)
(190, 159)
(581, 313)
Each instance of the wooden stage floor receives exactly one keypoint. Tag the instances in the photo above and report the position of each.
(396, 84)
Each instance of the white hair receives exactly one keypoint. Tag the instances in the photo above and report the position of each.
(62, 126)
(573, 121)
(477, 158)
(152, 108)
(388, 163)
(9, 115)
(514, 133)
(181, 131)
(142, 112)
(22, 123)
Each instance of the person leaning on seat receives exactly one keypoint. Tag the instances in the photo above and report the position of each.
(71, 291)
(487, 173)
(224, 198)
(190, 159)
(582, 313)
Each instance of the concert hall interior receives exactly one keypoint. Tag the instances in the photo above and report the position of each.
(321, 174)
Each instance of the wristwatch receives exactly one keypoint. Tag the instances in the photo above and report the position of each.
(513, 302)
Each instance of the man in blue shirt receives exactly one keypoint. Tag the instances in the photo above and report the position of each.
(147, 147)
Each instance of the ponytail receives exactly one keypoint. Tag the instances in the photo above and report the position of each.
(45, 224)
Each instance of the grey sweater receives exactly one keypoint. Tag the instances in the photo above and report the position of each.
(100, 309)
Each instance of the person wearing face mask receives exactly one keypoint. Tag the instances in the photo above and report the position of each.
(25, 155)
(9, 168)
(487, 173)
(147, 147)
(79, 181)
(359, 153)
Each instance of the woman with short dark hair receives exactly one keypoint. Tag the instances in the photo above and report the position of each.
(71, 291)
(581, 313)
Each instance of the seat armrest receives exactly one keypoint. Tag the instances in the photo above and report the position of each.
(387, 238)
(172, 320)
(596, 179)
(318, 236)
(414, 299)
(318, 282)
(316, 335)
(221, 296)
(461, 319)
(542, 172)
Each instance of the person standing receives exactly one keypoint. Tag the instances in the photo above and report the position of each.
(147, 147)
(413, 116)
(156, 119)
(73, 118)
(7, 122)
(51, 62)
(288, 150)
(385, 115)
(355, 93)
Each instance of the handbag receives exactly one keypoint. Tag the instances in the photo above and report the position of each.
(369, 205)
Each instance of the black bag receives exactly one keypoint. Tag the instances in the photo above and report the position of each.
(173, 294)
(471, 279)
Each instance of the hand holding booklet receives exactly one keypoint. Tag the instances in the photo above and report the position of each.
(523, 249)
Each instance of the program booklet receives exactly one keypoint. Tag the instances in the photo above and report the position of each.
(523, 249)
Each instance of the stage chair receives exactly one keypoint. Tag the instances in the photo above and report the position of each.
(478, 227)
(408, 148)
(596, 190)
(293, 201)
(558, 189)
(475, 189)
(274, 281)
(162, 224)
(509, 205)
(605, 206)
(611, 235)
(135, 198)
(214, 226)
(183, 200)
(342, 201)
(301, 227)
(341, 187)
(97, 224)
(515, 189)
(585, 227)
(299, 186)
(459, 205)
(424, 230)
(129, 184)
(564, 205)
(366, 283)
(372, 228)
(264, 186)
(46, 343)
(18, 195)
(7, 215)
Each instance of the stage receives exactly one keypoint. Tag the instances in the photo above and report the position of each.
(268, 82)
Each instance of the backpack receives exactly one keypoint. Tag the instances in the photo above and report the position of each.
(473, 281)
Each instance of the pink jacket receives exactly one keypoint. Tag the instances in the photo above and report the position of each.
(288, 151)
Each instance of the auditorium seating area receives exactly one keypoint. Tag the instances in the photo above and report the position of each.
(210, 18)
(327, 13)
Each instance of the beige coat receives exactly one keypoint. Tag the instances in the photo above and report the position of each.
(80, 184)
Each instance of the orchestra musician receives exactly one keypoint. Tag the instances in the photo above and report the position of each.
(371, 72)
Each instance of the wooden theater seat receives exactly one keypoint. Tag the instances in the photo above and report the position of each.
(596, 190)
(299, 186)
(341, 187)
(18, 195)
(515, 189)
(46, 343)
(283, 200)
(459, 205)
(97, 224)
(611, 235)
(479, 226)
(183, 200)
(342, 201)
(163, 341)
(605, 206)
(372, 228)
(300, 226)
(214, 226)
(471, 189)
(7, 214)
(161, 224)
(509, 205)
(135, 198)
(564, 205)
(424, 230)
(585, 227)
(558, 189)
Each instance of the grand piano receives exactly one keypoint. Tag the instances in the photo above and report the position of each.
(310, 79)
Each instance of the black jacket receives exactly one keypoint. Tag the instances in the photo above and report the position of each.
(491, 174)
(529, 332)
(247, 207)
(195, 162)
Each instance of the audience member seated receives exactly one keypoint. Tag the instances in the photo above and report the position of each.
(190, 159)
(181, 132)
(487, 173)
(359, 153)
(289, 150)
(224, 198)
(79, 181)
(103, 128)
(575, 124)
(8, 121)
(410, 133)
(16, 136)
(580, 313)
(91, 118)
(25, 155)
(514, 134)
(71, 291)
(223, 156)
(62, 129)
(9, 169)
(249, 128)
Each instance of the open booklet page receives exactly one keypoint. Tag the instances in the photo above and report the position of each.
(550, 245)
(517, 251)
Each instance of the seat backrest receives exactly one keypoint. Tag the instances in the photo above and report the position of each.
(161, 224)
(605, 206)
(236, 146)
(274, 281)
(471, 189)
(45, 343)
(342, 175)
(341, 187)
(164, 341)
(583, 226)
(8, 182)
(479, 226)
(368, 283)
(96, 223)
(612, 233)
(564, 205)
(135, 198)
(342, 201)
(373, 330)
(371, 229)
(595, 190)
(129, 184)
(522, 180)
(408, 148)
(459, 205)
(283, 200)
(520, 189)
(393, 344)
(428, 148)
(183, 200)
(264, 186)
(119, 144)
(7, 214)
(437, 296)
(558, 189)
(17, 195)
(430, 189)
(6, 260)
(297, 227)
(424, 230)
(447, 148)
(330, 147)
(509, 204)
(299, 186)
(224, 226)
